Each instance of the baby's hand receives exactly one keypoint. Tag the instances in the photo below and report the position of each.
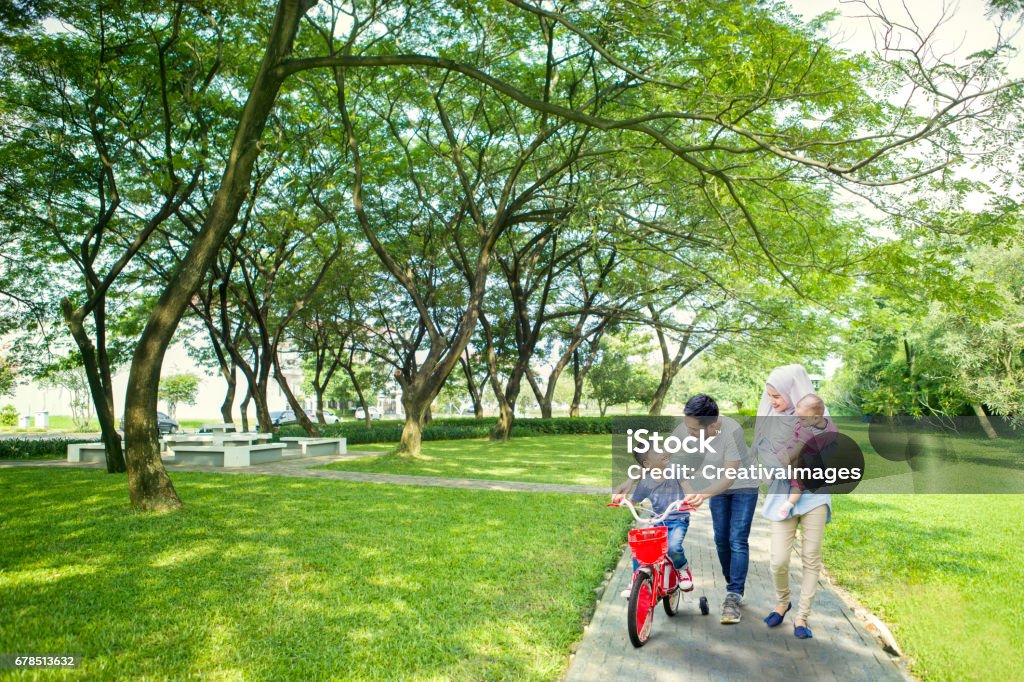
(785, 510)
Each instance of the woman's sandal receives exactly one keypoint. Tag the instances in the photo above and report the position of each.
(803, 632)
(774, 619)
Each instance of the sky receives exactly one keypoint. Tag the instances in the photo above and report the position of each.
(963, 28)
(968, 30)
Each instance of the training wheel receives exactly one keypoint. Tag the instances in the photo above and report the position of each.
(704, 608)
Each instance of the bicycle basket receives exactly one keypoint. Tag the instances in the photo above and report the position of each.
(649, 544)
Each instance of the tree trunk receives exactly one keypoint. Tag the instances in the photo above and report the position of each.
(577, 390)
(986, 424)
(668, 375)
(148, 484)
(258, 381)
(543, 401)
(100, 390)
(411, 441)
(263, 420)
(507, 405)
(474, 391)
(227, 406)
(320, 406)
(503, 429)
(580, 373)
(671, 364)
(300, 411)
(359, 394)
(244, 406)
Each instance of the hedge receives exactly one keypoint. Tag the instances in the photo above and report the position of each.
(457, 428)
(38, 448)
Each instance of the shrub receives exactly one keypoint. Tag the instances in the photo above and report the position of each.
(8, 415)
(37, 448)
(664, 424)
(455, 428)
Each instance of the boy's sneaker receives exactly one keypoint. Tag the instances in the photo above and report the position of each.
(629, 589)
(731, 608)
(685, 580)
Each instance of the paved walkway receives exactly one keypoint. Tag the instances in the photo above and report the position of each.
(695, 647)
(304, 467)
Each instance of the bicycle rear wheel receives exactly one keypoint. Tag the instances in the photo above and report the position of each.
(640, 612)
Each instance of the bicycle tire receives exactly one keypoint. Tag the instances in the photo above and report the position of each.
(672, 600)
(640, 613)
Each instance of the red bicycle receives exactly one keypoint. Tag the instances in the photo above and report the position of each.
(656, 578)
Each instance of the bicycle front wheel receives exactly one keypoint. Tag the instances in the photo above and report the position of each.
(640, 613)
(672, 600)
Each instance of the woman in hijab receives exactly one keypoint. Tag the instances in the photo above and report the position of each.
(773, 433)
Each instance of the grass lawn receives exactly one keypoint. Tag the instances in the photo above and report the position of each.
(275, 578)
(944, 571)
(578, 460)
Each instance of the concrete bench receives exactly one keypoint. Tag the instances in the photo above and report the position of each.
(87, 452)
(217, 428)
(251, 435)
(173, 443)
(228, 455)
(314, 447)
(238, 439)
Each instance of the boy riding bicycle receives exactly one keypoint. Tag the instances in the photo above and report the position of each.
(662, 492)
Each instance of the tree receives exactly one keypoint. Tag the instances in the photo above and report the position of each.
(951, 355)
(99, 149)
(988, 349)
(749, 102)
(179, 388)
(620, 376)
(67, 373)
(585, 314)
(149, 485)
(8, 377)
(8, 415)
(734, 372)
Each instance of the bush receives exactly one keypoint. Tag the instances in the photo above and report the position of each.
(661, 423)
(38, 448)
(8, 415)
(455, 428)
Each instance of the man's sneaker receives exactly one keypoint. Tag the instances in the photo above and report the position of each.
(731, 608)
(685, 580)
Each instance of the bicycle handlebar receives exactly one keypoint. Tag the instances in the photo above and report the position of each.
(678, 505)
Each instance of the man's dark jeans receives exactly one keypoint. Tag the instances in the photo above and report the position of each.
(731, 515)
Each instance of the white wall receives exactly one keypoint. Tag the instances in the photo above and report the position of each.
(30, 398)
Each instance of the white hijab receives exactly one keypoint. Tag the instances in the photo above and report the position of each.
(792, 382)
(774, 430)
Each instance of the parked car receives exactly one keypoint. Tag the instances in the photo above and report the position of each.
(374, 413)
(164, 424)
(285, 417)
